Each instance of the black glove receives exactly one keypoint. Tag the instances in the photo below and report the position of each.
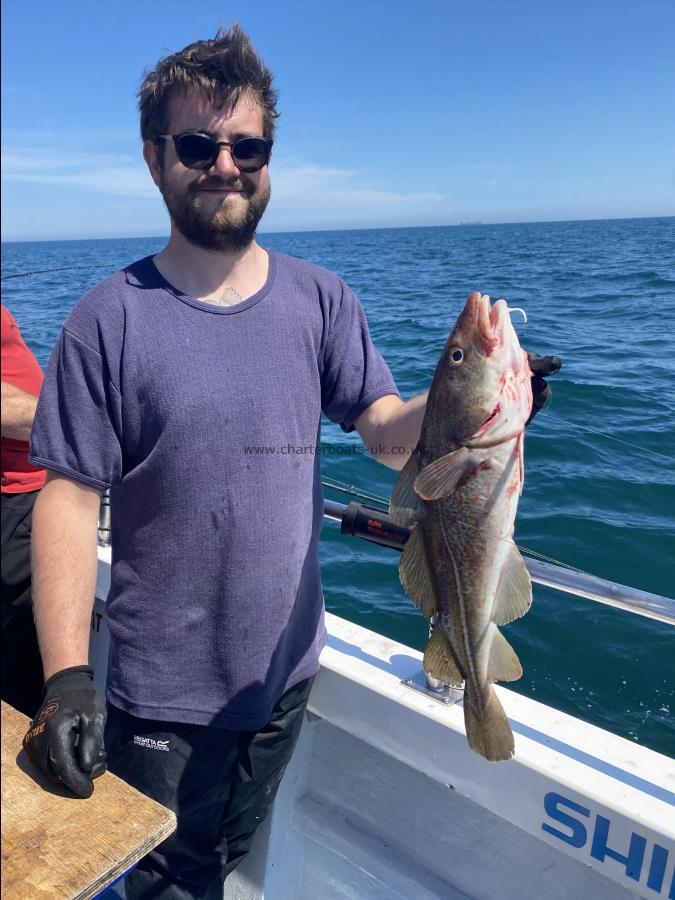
(65, 739)
(541, 392)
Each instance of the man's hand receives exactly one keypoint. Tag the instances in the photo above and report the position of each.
(65, 740)
(541, 392)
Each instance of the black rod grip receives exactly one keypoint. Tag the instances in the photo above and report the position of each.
(373, 525)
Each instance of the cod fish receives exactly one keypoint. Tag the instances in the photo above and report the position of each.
(460, 491)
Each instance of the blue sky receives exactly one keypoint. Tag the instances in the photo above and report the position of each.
(393, 113)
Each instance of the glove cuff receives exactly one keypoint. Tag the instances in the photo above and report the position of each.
(71, 670)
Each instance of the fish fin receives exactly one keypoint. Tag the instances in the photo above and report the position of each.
(405, 507)
(489, 734)
(415, 575)
(513, 597)
(442, 476)
(503, 664)
(438, 659)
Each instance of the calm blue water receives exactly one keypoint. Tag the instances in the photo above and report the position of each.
(599, 294)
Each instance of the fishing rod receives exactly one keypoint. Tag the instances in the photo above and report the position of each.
(57, 269)
(354, 492)
(377, 526)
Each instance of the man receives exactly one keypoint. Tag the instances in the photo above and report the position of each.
(21, 481)
(162, 377)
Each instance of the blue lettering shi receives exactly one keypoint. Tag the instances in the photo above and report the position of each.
(578, 835)
(636, 853)
(657, 869)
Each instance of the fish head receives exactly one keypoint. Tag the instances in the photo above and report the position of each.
(483, 377)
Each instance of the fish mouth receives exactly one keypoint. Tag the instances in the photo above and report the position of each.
(489, 320)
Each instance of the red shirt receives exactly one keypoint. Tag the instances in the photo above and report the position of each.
(20, 368)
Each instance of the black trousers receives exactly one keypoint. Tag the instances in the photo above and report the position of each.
(21, 663)
(220, 783)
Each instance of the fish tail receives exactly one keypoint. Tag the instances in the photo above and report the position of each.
(487, 727)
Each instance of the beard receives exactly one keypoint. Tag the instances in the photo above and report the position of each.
(231, 226)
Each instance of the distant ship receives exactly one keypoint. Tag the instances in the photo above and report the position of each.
(471, 223)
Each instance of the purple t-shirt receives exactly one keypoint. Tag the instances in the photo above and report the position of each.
(215, 607)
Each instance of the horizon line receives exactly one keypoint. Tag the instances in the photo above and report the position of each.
(466, 224)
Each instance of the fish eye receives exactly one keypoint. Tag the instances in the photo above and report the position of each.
(456, 356)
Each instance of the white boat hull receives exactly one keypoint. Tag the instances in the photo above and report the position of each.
(384, 799)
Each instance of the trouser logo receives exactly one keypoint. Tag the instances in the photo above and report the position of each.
(150, 743)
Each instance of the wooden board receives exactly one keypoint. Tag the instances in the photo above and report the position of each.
(55, 845)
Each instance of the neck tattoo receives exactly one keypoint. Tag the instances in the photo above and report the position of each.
(228, 298)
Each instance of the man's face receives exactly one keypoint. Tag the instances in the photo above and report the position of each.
(217, 209)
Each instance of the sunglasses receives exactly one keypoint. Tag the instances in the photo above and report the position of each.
(199, 151)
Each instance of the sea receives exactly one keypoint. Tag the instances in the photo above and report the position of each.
(599, 489)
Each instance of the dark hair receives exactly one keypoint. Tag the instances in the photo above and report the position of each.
(224, 69)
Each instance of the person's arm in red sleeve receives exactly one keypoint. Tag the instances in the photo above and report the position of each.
(18, 412)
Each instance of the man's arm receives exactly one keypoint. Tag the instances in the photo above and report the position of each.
(18, 412)
(64, 561)
(65, 517)
(390, 428)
